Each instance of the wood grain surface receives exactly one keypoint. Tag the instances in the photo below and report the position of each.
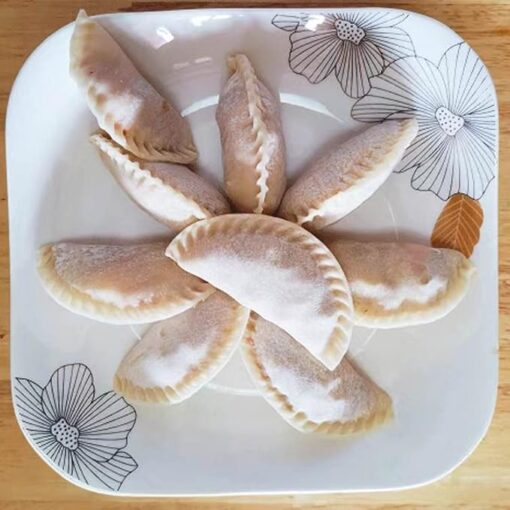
(483, 481)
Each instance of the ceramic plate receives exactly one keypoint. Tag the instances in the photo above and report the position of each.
(337, 71)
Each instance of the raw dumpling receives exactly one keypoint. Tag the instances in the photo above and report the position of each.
(277, 269)
(119, 284)
(307, 395)
(252, 141)
(170, 193)
(344, 178)
(125, 104)
(177, 356)
(400, 284)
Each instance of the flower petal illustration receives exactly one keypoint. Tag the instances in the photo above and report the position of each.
(286, 22)
(61, 456)
(104, 426)
(28, 396)
(68, 393)
(392, 42)
(111, 473)
(469, 84)
(355, 66)
(426, 144)
(458, 165)
(314, 54)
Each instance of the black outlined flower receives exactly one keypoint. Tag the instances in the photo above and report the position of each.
(454, 104)
(83, 435)
(356, 45)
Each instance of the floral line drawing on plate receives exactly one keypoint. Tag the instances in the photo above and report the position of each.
(83, 435)
(455, 150)
(355, 45)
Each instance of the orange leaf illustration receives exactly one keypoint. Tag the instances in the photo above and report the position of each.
(458, 225)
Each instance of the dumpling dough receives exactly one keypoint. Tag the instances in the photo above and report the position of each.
(124, 103)
(177, 356)
(401, 284)
(277, 269)
(308, 396)
(170, 193)
(252, 141)
(119, 284)
(341, 180)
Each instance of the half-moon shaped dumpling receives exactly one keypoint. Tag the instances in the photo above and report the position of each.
(119, 284)
(308, 396)
(400, 284)
(344, 178)
(277, 269)
(252, 141)
(170, 193)
(124, 103)
(177, 356)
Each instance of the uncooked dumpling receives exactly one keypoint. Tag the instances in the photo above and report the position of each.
(307, 395)
(252, 141)
(177, 356)
(170, 193)
(125, 104)
(119, 284)
(277, 269)
(401, 284)
(344, 178)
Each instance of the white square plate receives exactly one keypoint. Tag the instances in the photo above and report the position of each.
(442, 376)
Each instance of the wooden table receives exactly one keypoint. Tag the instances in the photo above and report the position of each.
(482, 482)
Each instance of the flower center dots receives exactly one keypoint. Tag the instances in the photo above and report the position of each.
(65, 434)
(448, 121)
(347, 31)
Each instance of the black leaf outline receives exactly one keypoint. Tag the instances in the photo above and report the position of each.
(355, 45)
(453, 102)
(81, 434)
